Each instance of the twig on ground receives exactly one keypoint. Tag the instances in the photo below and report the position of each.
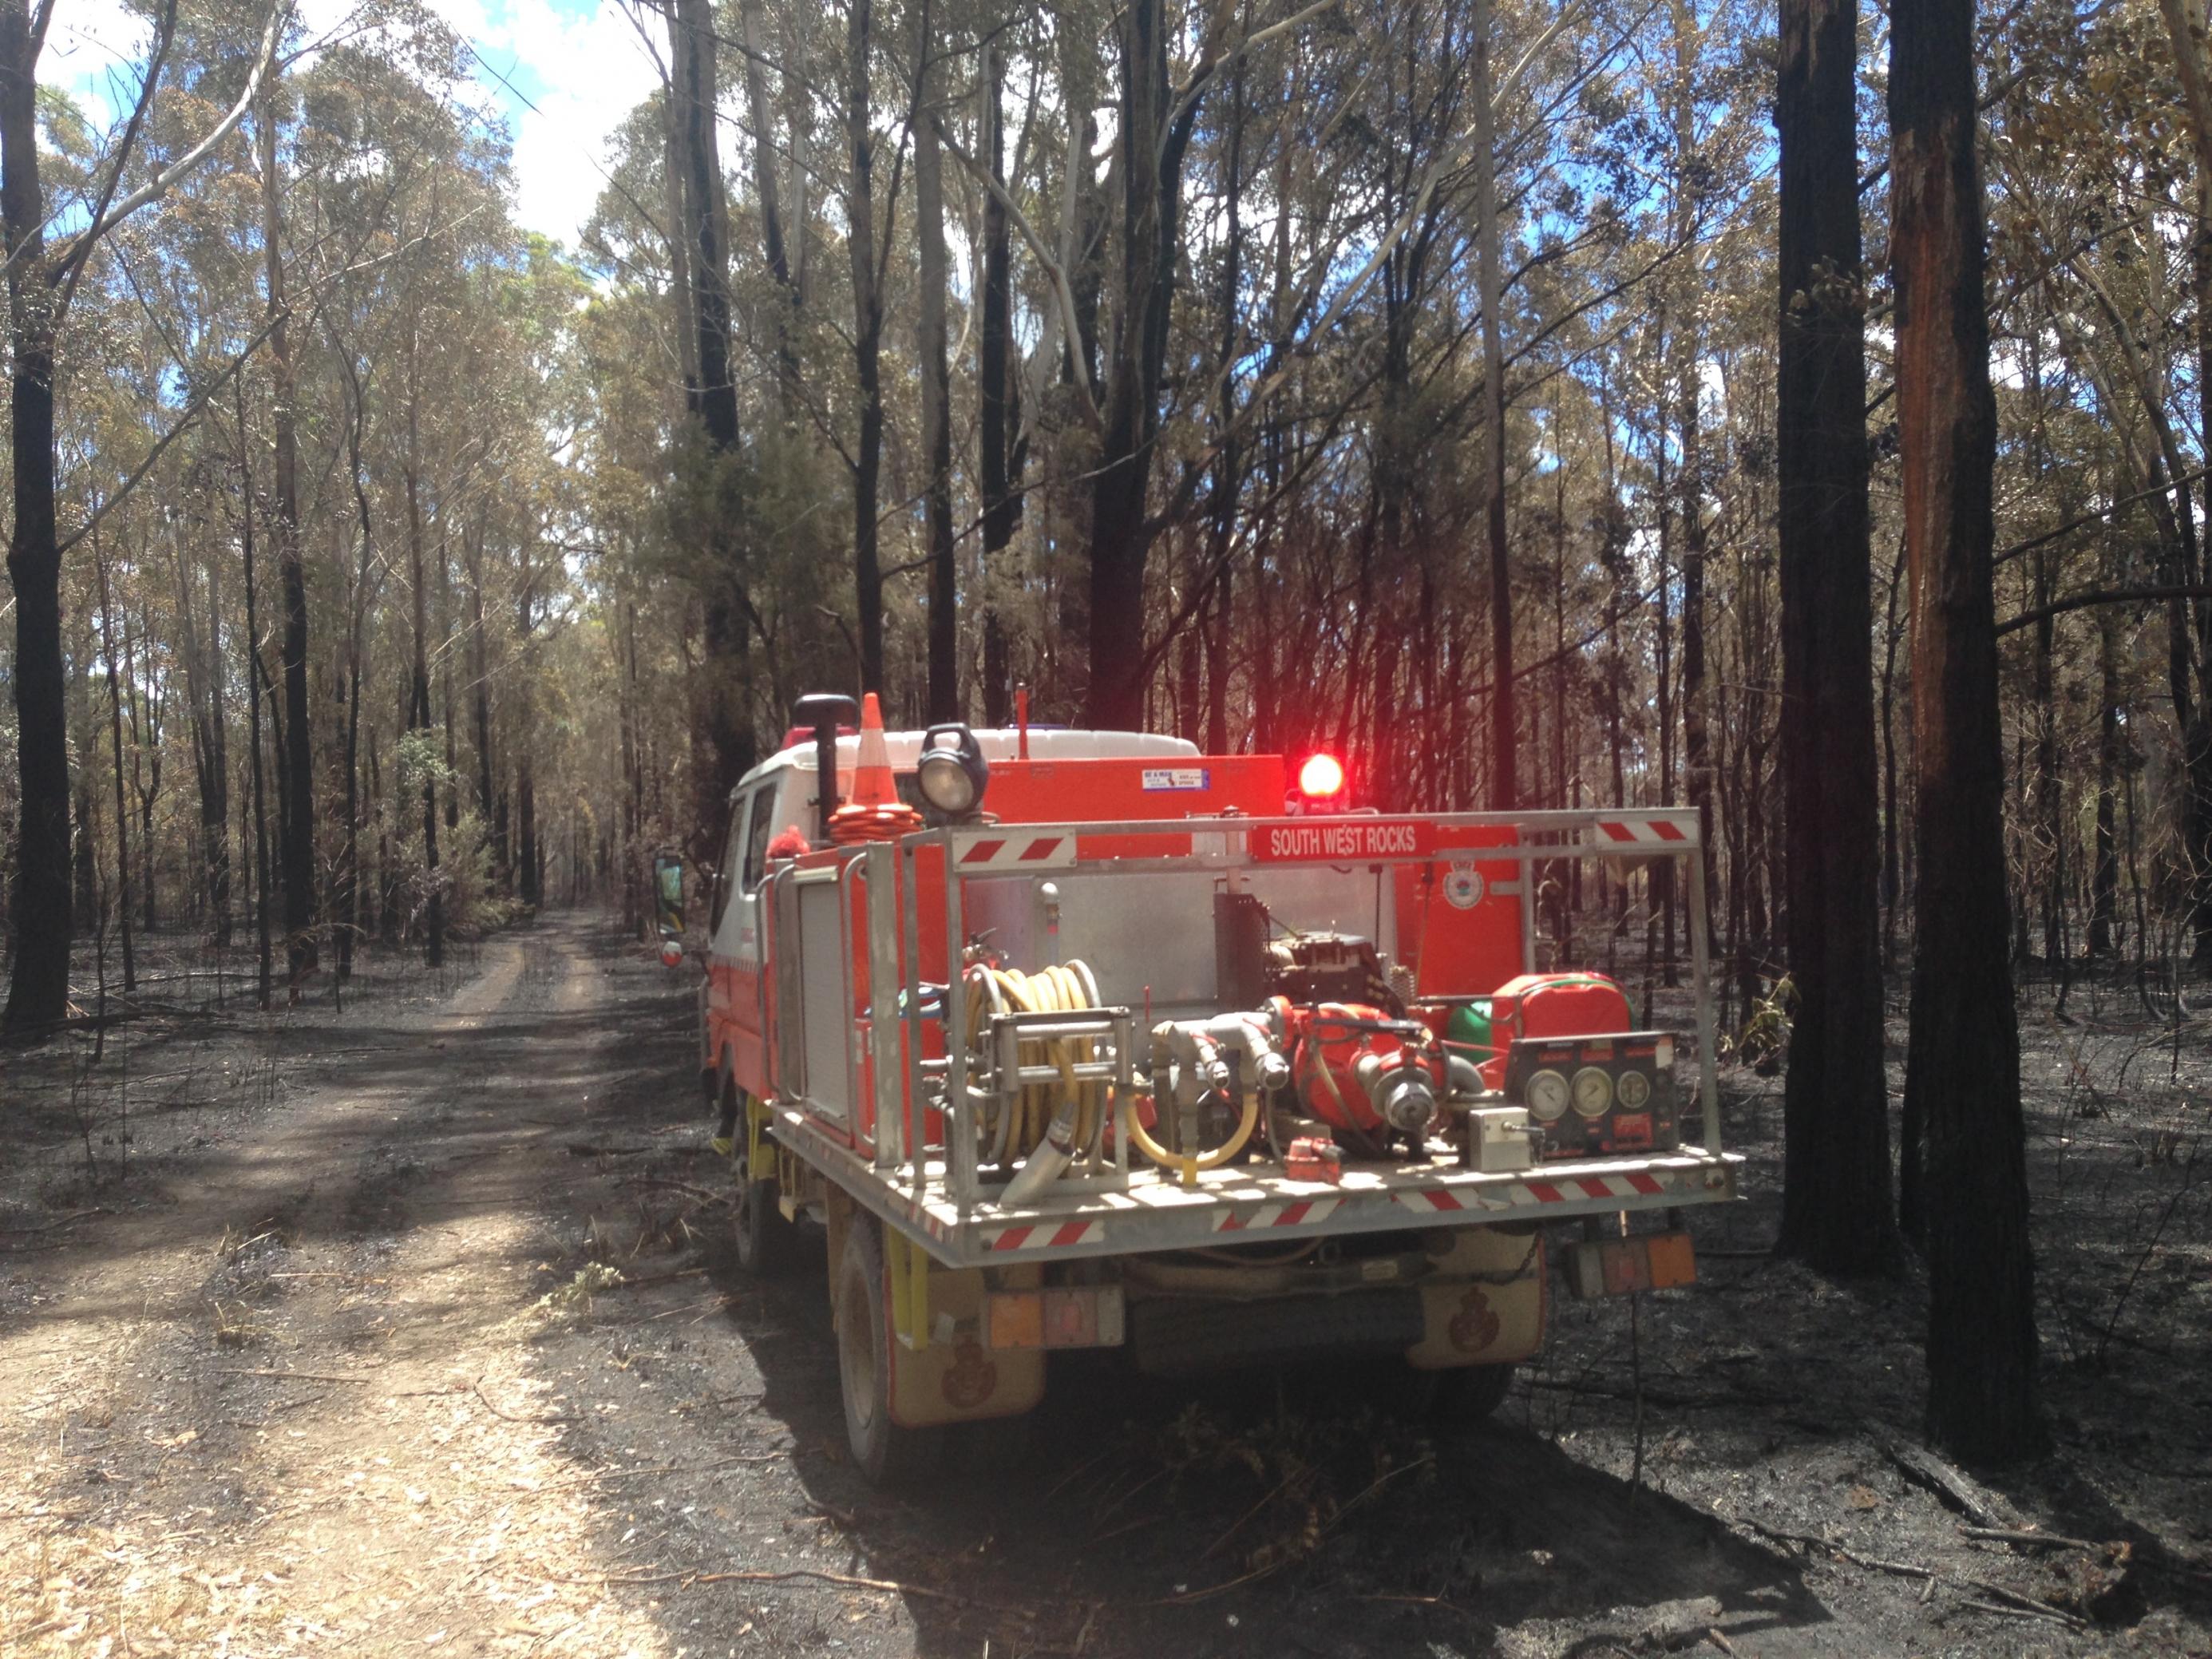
(294, 1377)
(49, 1226)
(1813, 1541)
(842, 1580)
(2032, 1540)
(630, 1284)
(2028, 1603)
(476, 1387)
(2017, 1613)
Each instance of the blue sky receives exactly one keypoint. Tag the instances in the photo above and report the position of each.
(564, 72)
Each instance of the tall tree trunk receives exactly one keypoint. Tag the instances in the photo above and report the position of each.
(256, 685)
(205, 686)
(723, 742)
(1963, 1063)
(480, 696)
(2189, 58)
(295, 778)
(38, 990)
(115, 739)
(1838, 1211)
(1151, 147)
(944, 696)
(2105, 877)
(769, 202)
(1503, 791)
(867, 339)
(418, 685)
(997, 393)
(1689, 340)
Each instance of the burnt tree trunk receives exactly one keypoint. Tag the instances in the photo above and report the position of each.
(1963, 1065)
(38, 992)
(722, 737)
(295, 812)
(1836, 1209)
(868, 342)
(943, 701)
(1503, 794)
(997, 393)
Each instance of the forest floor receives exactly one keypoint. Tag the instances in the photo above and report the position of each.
(415, 1326)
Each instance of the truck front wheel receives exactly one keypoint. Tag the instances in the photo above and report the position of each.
(765, 1245)
(889, 1453)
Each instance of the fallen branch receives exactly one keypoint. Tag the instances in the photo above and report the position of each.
(2032, 1540)
(1813, 1541)
(839, 1580)
(295, 1377)
(2028, 1603)
(1923, 1468)
(476, 1387)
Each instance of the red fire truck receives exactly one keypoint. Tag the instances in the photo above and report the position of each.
(1086, 1039)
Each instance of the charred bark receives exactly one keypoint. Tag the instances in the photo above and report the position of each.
(1838, 1213)
(1963, 1064)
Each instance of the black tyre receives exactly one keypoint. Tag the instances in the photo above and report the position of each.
(887, 1454)
(767, 1245)
(1468, 1394)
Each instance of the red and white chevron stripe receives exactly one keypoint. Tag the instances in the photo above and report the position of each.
(1669, 830)
(1278, 1215)
(1017, 851)
(1442, 1200)
(1045, 1238)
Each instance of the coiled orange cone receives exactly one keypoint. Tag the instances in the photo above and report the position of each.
(875, 813)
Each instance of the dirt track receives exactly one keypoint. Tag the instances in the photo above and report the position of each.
(327, 1373)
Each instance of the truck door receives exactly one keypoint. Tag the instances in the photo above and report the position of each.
(741, 990)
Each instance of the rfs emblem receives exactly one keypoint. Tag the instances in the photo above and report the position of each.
(1475, 1328)
(1463, 887)
(971, 1379)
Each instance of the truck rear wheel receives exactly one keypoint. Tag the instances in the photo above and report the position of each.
(1468, 1394)
(888, 1453)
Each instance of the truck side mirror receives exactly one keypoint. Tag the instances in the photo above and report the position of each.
(668, 893)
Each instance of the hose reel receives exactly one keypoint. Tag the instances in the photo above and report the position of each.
(1055, 1098)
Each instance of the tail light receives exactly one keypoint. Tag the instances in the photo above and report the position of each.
(1320, 777)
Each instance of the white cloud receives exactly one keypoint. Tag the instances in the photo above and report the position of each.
(573, 71)
(581, 68)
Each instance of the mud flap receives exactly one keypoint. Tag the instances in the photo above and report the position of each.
(941, 1370)
(1487, 1305)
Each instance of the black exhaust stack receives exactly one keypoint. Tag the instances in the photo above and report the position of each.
(823, 712)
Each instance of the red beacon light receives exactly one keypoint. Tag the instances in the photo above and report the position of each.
(1320, 777)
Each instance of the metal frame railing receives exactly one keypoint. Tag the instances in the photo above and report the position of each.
(888, 873)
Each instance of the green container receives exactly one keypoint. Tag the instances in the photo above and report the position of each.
(1469, 1030)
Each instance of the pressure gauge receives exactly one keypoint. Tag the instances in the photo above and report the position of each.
(1635, 1089)
(1593, 1090)
(1547, 1096)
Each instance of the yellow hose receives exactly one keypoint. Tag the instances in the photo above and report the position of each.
(1062, 988)
(1188, 1165)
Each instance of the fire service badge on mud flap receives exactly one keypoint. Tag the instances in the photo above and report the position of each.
(1474, 1327)
(971, 1379)
(1463, 887)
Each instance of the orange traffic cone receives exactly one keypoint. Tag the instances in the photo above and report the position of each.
(875, 813)
(871, 766)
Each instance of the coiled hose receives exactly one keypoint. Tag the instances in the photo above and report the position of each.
(1064, 988)
(1049, 1124)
